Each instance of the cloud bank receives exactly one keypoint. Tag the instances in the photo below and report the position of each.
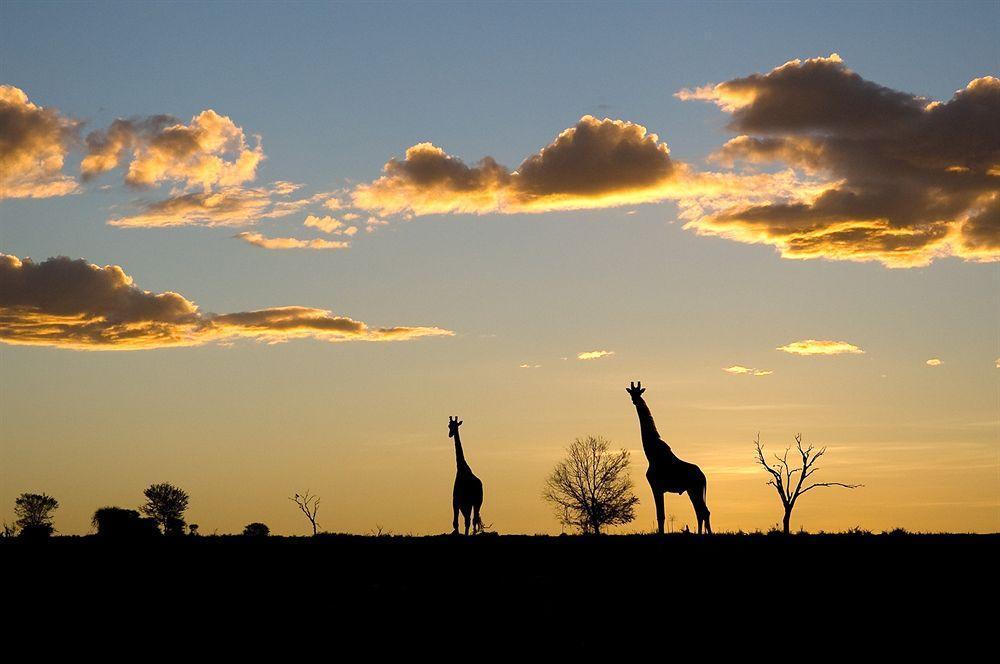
(33, 146)
(906, 180)
(66, 303)
(594, 164)
(820, 347)
(264, 242)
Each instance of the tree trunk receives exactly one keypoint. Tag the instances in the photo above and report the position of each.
(788, 517)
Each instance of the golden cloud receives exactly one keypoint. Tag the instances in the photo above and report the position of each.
(259, 240)
(594, 164)
(594, 354)
(33, 145)
(67, 303)
(210, 151)
(739, 370)
(887, 176)
(934, 362)
(820, 347)
(227, 206)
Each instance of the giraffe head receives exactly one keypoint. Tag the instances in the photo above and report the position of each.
(453, 424)
(635, 390)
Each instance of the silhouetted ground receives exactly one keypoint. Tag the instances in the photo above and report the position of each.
(887, 567)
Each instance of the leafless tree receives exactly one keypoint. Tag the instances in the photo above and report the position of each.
(783, 475)
(308, 505)
(591, 487)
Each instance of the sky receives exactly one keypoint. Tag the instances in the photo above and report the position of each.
(254, 249)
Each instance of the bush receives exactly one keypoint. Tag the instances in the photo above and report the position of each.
(256, 529)
(36, 532)
(123, 523)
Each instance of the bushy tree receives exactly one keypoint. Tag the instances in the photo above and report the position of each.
(120, 522)
(34, 514)
(256, 529)
(166, 504)
(591, 487)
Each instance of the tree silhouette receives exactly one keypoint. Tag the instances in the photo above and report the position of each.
(166, 504)
(256, 529)
(782, 475)
(121, 522)
(591, 487)
(34, 514)
(309, 505)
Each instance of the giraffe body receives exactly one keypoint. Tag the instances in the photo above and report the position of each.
(666, 472)
(467, 495)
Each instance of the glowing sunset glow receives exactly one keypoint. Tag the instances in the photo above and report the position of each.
(320, 229)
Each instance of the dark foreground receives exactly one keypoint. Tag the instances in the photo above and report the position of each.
(545, 573)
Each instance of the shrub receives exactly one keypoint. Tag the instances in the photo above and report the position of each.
(123, 523)
(256, 529)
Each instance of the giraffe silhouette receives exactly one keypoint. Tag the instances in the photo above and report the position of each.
(467, 496)
(667, 473)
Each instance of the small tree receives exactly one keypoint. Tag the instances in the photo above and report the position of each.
(308, 505)
(166, 503)
(591, 487)
(783, 475)
(34, 514)
(256, 529)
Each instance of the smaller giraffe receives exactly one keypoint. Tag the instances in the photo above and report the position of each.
(667, 473)
(467, 496)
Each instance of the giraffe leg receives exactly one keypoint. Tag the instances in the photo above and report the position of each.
(454, 521)
(477, 522)
(465, 517)
(658, 499)
(697, 496)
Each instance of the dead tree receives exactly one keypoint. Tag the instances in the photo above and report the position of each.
(783, 475)
(308, 505)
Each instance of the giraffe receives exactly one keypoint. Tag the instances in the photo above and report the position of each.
(666, 472)
(467, 495)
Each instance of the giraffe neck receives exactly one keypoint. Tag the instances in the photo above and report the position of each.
(459, 454)
(650, 436)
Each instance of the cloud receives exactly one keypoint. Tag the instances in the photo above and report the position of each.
(208, 152)
(904, 180)
(329, 225)
(934, 362)
(67, 303)
(738, 370)
(820, 347)
(529, 366)
(594, 354)
(259, 240)
(227, 206)
(33, 144)
(594, 164)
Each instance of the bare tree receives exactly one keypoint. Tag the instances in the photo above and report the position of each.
(34, 513)
(308, 505)
(591, 487)
(783, 475)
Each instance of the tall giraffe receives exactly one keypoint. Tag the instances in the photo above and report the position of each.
(666, 472)
(467, 495)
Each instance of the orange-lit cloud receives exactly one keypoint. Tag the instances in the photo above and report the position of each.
(820, 347)
(226, 206)
(208, 152)
(264, 242)
(594, 164)
(330, 225)
(33, 145)
(739, 370)
(904, 180)
(594, 354)
(934, 362)
(68, 303)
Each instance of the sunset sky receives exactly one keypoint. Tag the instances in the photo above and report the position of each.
(253, 249)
